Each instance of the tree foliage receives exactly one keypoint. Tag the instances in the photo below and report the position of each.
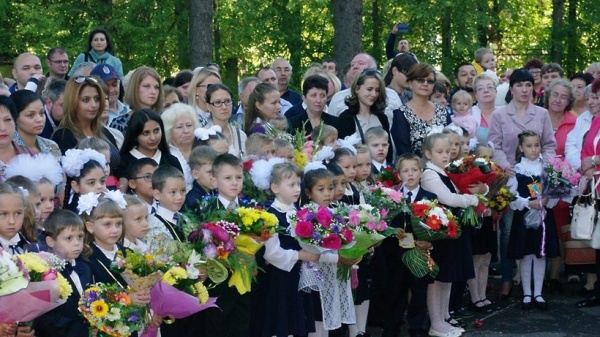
(248, 34)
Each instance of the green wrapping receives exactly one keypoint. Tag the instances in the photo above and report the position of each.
(362, 242)
(417, 262)
(423, 234)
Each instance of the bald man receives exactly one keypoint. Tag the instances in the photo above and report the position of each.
(27, 71)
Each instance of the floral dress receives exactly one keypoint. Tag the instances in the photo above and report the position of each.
(409, 131)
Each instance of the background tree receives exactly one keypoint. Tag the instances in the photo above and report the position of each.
(347, 38)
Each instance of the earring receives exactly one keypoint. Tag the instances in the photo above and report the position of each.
(196, 96)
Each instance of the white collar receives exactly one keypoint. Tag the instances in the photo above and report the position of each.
(166, 214)
(110, 254)
(377, 164)
(281, 207)
(414, 191)
(348, 190)
(137, 154)
(138, 245)
(529, 167)
(434, 167)
(12, 242)
(226, 202)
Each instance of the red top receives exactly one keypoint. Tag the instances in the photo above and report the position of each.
(567, 124)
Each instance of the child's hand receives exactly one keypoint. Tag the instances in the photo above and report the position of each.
(140, 297)
(306, 256)
(478, 188)
(423, 245)
(534, 204)
(8, 329)
(25, 331)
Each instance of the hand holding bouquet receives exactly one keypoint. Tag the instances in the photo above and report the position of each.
(559, 178)
(385, 198)
(472, 215)
(470, 170)
(500, 201)
(256, 226)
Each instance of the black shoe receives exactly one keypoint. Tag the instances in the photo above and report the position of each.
(363, 334)
(592, 301)
(554, 286)
(528, 305)
(455, 323)
(463, 312)
(494, 273)
(418, 333)
(585, 292)
(542, 305)
(484, 309)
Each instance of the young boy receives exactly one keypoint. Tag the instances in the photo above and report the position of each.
(200, 161)
(168, 188)
(378, 144)
(139, 181)
(260, 146)
(399, 278)
(284, 149)
(462, 102)
(64, 235)
(325, 135)
(485, 62)
(228, 177)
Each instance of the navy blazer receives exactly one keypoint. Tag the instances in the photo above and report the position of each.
(66, 320)
(100, 266)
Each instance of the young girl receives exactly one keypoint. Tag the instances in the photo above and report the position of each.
(85, 171)
(484, 242)
(263, 105)
(135, 222)
(280, 309)
(345, 159)
(213, 138)
(31, 220)
(529, 242)
(103, 147)
(144, 138)
(452, 255)
(454, 138)
(363, 169)
(12, 206)
(104, 229)
(318, 189)
(339, 183)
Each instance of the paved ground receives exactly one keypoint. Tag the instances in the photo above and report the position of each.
(562, 319)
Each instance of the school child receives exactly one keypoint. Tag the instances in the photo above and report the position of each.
(135, 224)
(377, 141)
(284, 149)
(168, 185)
(139, 181)
(319, 189)
(453, 256)
(200, 161)
(339, 184)
(345, 159)
(530, 242)
(31, 219)
(12, 203)
(363, 169)
(440, 95)
(260, 146)
(485, 62)
(462, 102)
(85, 171)
(102, 146)
(465, 142)
(485, 245)
(279, 308)
(325, 135)
(213, 138)
(397, 278)
(65, 237)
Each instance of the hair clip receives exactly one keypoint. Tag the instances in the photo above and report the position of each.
(204, 134)
(74, 160)
(24, 191)
(87, 202)
(117, 197)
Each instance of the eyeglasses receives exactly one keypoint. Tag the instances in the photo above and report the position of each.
(145, 177)
(81, 79)
(370, 72)
(219, 104)
(423, 80)
(535, 73)
(488, 88)
(559, 97)
(65, 62)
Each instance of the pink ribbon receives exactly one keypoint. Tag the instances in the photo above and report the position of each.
(542, 215)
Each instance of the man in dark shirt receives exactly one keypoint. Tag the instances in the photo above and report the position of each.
(283, 69)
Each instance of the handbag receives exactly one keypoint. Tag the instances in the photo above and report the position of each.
(595, 241)
(584, 214)
(577, 252)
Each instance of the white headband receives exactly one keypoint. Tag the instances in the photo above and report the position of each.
(74, 160)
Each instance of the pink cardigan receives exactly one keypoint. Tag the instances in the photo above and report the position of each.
(505, 126)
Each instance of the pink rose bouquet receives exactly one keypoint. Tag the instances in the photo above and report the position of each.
(386, 199)
(320, 229)
(559, 178)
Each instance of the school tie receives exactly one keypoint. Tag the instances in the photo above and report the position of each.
(232, 205)
(409, 195)
(153, 210)
(15, 249)
(177, 219)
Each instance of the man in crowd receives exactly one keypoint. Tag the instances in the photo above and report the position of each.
(57, 61)
(464, 74)
(268, 75)
(245, 87)
(403, 45)
(109, 76)
(283, 69)
(27, 71)
(53, 97)
(330, 65)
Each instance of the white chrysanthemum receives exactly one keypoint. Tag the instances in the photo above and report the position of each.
(192, 272)
(29, 167)
(205, 133)
(440, 214)
(458, 162)
(325, 153)
(262, 170)
(117, 197)
(87, 202)
(313, 165)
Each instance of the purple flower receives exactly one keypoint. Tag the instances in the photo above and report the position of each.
(210, 251)
(310, 216)
(206, 236)
(194, 235)
(92, 295)
(335, 228)
(316, 236)
(229, 246)
(133, 318)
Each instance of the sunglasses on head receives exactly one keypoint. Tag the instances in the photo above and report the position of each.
(81, 79)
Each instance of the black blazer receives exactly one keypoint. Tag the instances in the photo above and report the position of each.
(98, 261)
(347, 124)
(128, 158)
(66, 320)
(296, 122)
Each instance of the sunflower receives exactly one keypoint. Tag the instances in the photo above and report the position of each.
(99, 308)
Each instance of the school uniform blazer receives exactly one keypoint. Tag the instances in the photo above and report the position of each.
(98, 261)
(432, 182)
(66, 320)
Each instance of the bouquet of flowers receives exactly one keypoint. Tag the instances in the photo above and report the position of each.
(249, 188)
(181, 292)
(389, 178)
(430, 222)
(109, 309)
(141, 270)
(12, 276)
(256, 226)
(216, 241)
(559, 178)
(318, 229)
(368, 228)
(472, 215)
(499, 202)
(46, 290)
(470, 170)
(385, 198)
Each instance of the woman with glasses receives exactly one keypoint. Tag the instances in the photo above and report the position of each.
(263, 105)
(30, 121)
(144, 139)
(505, 125)
(84, 102)
(197, 92)
(485, 93)
(220, 105)
(180, 121)
(413, 121)
(98, 50)
(366, 105)
(534, 66)
(144, 91)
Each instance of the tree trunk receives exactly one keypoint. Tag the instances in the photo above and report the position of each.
(201, 32)
(556, 35)
(447, 63)
(573, 58)
(182, 10)
(377, 29)
(347, 23)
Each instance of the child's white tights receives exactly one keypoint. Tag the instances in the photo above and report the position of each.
(536, 267)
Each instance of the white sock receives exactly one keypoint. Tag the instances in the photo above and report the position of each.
(362, 313)
(526, 265)
(539, 270)
(319, 330)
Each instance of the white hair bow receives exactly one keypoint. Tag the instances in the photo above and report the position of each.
(204, 134)
(74, 159)
(262, 170)
(349, 141)
(435, 129)
(314, 165)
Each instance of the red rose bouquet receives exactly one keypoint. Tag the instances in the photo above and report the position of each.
(470, 170)
(389, 178)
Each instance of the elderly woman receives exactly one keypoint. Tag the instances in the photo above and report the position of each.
(413, 121)
(505, 125)
(30, 120)
(180, 121)
(196, 96)
(590, 164)
(220, 105)
(485, 92)
(580, 81)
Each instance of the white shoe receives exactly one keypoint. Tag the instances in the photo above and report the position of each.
(452, 333)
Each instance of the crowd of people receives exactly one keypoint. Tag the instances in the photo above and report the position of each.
(168, 142)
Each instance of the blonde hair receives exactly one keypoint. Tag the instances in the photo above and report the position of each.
(462, 95)
(322, 132)
(175, 112)
(106, 208)
(282, 143)
(481, 52)
(11, 186)
(200, 75)
(202, 155)
(131, 90)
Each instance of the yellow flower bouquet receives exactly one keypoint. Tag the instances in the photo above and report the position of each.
(256, 226)
(141, 270)
(109, 309)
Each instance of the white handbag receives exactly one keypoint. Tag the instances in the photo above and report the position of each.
(585, 214)
(595, 241)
